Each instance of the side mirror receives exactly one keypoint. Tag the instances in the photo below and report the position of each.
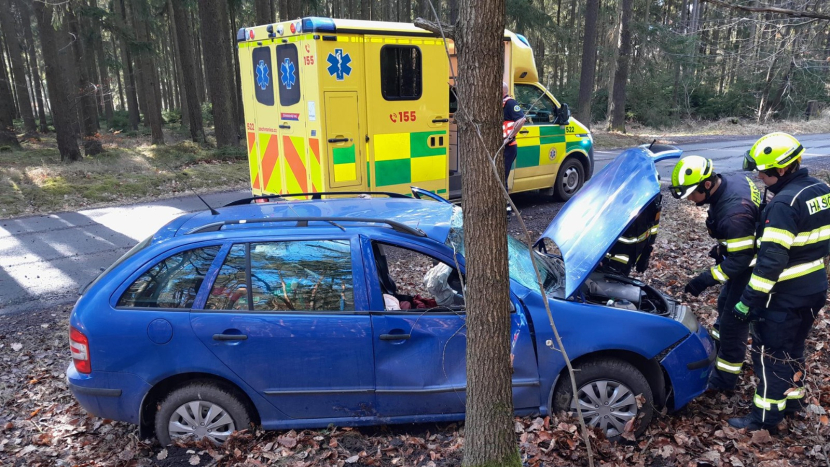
(563, 115)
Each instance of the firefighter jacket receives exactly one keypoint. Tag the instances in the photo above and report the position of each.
(732, 220)
(793, 239)
(635, 245)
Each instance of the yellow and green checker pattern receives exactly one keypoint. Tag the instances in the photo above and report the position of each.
(410, 159)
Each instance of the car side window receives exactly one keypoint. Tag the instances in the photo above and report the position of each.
(171, 283)
(537, 106)
(286, 276)
(230, 289)
(412, 280)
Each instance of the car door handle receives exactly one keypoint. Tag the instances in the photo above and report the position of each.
(394, 337)
(338, 140)
(230, 337)
(440, 120)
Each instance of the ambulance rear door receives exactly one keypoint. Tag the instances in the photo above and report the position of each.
(256, 77)
(292, 118)
(408, 112)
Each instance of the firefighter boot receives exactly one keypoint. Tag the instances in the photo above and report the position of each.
(751, 425)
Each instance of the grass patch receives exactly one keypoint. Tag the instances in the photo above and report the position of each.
(35, 180)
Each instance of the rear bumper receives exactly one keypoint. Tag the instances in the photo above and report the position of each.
(116, 396)
(689, 365)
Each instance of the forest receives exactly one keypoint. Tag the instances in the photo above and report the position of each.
(80, 68)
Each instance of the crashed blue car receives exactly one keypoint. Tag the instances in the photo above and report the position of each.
(348, 311)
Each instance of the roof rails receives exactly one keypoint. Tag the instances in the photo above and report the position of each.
(314, 196)
(303, 222)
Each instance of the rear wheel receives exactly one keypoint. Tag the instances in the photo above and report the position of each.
(607, 394)
(200, 410)
(569, 180)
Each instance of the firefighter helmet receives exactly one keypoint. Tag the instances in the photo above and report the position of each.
(688, 174)
(773, 151)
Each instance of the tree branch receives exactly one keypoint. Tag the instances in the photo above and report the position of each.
(438, 28)
(771, 9)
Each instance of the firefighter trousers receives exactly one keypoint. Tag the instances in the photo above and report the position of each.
(732, 335)
(778, 340)
(510, 153)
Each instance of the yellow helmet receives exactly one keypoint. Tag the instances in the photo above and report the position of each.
(690, 172)
(773, 151)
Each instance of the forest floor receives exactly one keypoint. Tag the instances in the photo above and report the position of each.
(42, 425)
(34, 180)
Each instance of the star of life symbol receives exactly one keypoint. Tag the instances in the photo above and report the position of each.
(339, 64)
(287, 74)
(262, 79)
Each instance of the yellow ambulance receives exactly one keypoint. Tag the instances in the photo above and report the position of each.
(335, 105)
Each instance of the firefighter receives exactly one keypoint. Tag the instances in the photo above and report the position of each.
(633, 249)
(514, 118)
(788, 286)
(733, 212)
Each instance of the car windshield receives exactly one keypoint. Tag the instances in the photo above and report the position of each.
(551, 269)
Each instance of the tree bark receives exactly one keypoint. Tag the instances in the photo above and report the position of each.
(294, 9)
(85, 95)
(215, 26)
(262, 10)
(25, 13)
(127, 67)
(7, 22)
(7, 134)
(176, 50)
(589, 62)
(56, 85)
(147, 69)
(489, 437)
(191, 94)
(617, 113)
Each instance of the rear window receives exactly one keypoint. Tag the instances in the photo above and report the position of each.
(140, 246)
(171, 283)
(400, 72)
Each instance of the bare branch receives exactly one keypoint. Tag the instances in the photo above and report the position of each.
(771, 9)
(436, 27)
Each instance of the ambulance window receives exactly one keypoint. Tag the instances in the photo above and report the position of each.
(263, 75)
(537, 106)
(400, 72)
(288, 74)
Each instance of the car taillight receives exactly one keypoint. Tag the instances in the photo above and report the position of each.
(79, 346)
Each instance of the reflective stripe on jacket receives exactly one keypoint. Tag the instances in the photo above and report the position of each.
(732, 219)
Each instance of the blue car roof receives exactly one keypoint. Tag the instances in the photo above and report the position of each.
(430, 217)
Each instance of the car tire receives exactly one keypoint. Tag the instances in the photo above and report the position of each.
(611, 383)
(569, 180)
(185, 410)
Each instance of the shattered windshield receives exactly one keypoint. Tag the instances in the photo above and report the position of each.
(551, 269)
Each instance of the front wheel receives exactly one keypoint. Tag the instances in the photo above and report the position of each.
(200, 410)
(569, 180)
(607, 394)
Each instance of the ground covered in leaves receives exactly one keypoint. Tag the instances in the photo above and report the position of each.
(42, 425)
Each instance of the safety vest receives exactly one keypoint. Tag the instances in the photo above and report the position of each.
(507, 125)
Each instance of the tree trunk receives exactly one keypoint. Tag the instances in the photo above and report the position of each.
(177, 55)
(191, 94)
(424, 11)
(127, 67)
(294, 9)
(489, 436)
(8, 137)
(215, 27)
(7, 22)
(237, 83)
(589, 62)
(103, 72)
(262, 10)
(147, 69)
(85, 95)
(25, 13)
(56, 85)
(366, 9)
(617, 112)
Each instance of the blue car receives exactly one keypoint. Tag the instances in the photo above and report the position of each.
(349, 311)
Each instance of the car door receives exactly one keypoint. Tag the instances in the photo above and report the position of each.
(282, 316)
(541, 143)
(420, 353)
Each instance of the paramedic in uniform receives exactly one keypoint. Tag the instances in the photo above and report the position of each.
(514, 118)
(733, 212)
(788, 286)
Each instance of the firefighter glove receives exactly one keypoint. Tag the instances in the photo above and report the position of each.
(715, 254)
(741, 312)
(696, 286)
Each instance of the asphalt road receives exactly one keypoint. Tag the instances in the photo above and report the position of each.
(44, 260)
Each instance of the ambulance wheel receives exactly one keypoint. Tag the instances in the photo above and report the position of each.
(569, 180)
(608, 393)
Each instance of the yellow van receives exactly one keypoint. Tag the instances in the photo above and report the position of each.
(336, 105)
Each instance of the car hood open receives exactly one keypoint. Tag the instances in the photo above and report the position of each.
(590, 223)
